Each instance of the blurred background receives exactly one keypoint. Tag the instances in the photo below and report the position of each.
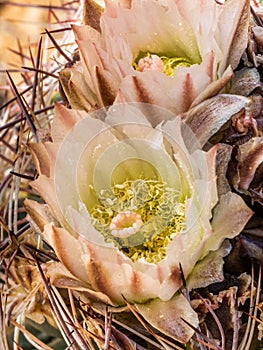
(21, 22)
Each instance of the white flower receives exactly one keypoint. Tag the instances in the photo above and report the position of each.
(134, 200)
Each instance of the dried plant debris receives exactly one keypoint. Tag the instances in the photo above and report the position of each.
(244, 129)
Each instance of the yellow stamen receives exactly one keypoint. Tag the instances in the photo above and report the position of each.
(140, 217)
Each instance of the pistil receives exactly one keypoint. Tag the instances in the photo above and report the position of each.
(167, 65)
(125, 224)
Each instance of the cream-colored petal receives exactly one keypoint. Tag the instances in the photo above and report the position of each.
(64, 121)
(168, 317)
(229, 218)
(113, 274)
(186, 248)
(45, 187)
(68, 250)
(80, 222)
(40, 214)
(210, 269)
(77, 157)
(61, 277)
(206, 164)
(181, 154)
(123, 114)
(140, 142)
(40, 157)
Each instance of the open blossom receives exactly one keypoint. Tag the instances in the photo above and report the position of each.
(133, 200)
(170, 53)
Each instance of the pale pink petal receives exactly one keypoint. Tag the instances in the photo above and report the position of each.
(174, 93)
(214, 87)
(191, 82)
(166, 22)
(107, 87)
(233, 37)
(52, 150)
(149, 87)
(102, 72)
(203, 23)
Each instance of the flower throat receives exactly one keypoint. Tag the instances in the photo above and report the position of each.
(140, 217)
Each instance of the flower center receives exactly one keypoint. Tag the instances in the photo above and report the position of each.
(160, 63)
(125, 224)
(140, 217)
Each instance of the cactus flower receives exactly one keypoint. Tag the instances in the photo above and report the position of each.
(170, 53)
(132, 200)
